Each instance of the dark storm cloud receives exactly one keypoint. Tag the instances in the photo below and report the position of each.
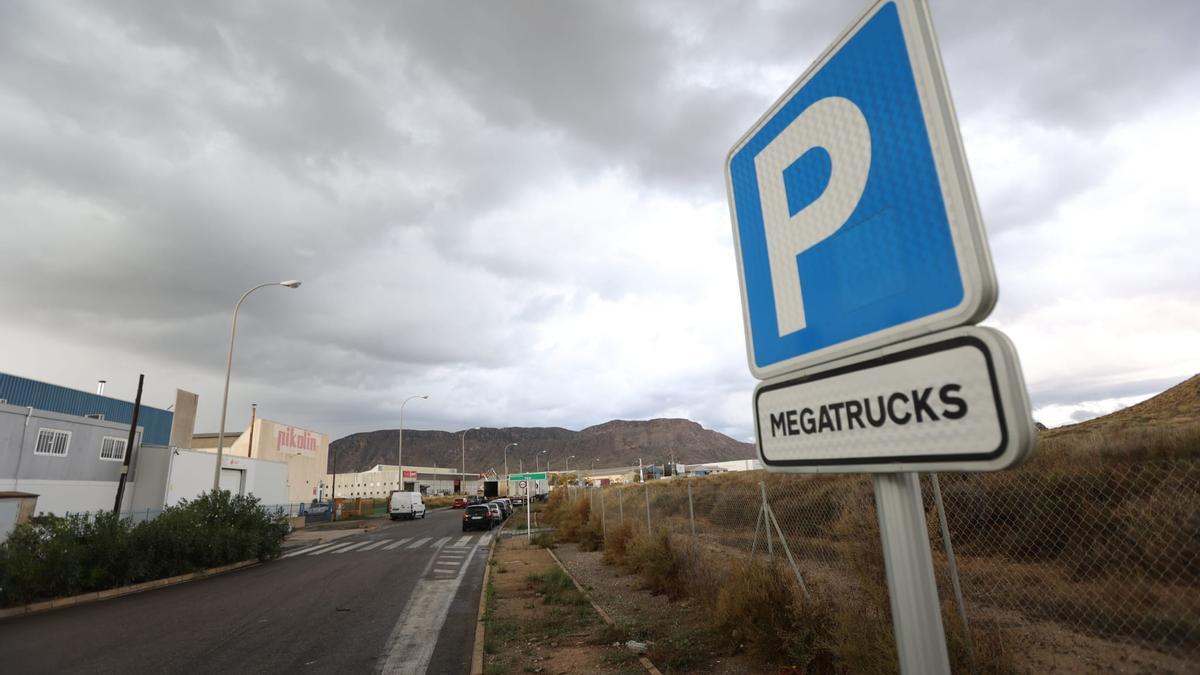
(404, 159)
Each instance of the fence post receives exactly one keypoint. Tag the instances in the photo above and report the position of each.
(770, 546)
(649, 532)
(147, 515)
(603, 525)
(621, 504)
(692, 517)
(952, 564)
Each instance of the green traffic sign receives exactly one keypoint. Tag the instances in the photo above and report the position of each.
(527, 476)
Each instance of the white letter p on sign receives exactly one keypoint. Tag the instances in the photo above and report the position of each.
(838, 126)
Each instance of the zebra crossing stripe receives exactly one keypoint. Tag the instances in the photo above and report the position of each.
(336, 547)
(463, 542)
(397, 544)
(302, 551)
(351, 547)
(420, 542)
(483, 541)
(377, 544)
(442, 541)
(326, 548)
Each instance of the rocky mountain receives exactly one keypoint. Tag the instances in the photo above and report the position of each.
(615, 443)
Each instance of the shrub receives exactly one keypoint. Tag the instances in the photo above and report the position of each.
(660, 563)
(556, 588)
(616, 548)
(543, 539)
(53, 556)
(759, 608)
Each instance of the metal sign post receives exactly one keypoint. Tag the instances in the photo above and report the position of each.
(861, 254)
(528, 513)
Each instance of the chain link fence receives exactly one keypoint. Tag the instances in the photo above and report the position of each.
(1061, 563)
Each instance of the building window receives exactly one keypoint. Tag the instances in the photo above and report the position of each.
(113, 449)
(52, 442)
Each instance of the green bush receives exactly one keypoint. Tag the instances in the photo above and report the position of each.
(52, 556)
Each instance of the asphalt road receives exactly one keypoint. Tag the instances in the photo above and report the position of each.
(401, 598)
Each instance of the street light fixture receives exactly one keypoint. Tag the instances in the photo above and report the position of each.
(463, 476)
(506, 458)
(568, 469)
(535, 460)
(400, 459)
(229, 367)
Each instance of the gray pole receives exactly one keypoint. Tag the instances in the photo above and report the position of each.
(228, 368)
(646, 486)
(400, 454)
(916, 616)
(692, 516)
(952, 563)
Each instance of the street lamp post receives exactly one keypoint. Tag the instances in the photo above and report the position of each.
(400, 458)
(506, 459)
(568, 469)
(229, 367)
(463, 476)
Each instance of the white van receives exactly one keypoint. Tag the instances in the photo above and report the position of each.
(406, 505)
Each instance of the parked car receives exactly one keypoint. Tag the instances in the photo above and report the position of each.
(459, 503)
(497, 513)
(406, 505)
(319, 508)
(477, 517)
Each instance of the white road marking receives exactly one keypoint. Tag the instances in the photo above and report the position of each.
(483, 541)
(335, 547)
(410, 646)
(351, 547)
(462, 542)
(377, 544)
(302, 551)
(442, 542)
(420, 542)
(397, 544)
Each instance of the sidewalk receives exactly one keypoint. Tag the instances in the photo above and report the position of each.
(327, 532)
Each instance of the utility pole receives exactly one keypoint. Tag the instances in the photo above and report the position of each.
(137, 407)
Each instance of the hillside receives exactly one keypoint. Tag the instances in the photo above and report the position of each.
(1174, 408)
(615, 443)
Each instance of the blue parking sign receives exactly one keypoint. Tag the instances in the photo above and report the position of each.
(854, 217)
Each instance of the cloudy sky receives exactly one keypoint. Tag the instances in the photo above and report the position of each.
(519, 208)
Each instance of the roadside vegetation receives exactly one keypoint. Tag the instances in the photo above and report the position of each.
(1096, 539)
(52, 557)
(539, 621)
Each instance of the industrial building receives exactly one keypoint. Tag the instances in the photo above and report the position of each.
(305, 452)
(380, 481)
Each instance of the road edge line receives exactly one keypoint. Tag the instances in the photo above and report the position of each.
(120, 591)
(646, 663)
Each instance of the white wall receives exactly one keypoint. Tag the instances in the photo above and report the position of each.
(191, 475)
(73, 496)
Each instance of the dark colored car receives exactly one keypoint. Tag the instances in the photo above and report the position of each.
(477, 517)
(459, 503)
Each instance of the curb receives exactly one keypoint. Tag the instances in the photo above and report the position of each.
(95, 596)
(480, 637)
(646, 663)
